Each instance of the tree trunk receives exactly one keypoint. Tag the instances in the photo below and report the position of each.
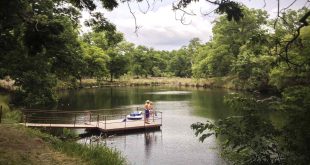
(80, 78)
(111, 78)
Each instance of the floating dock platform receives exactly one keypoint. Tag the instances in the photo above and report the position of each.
(89, 120)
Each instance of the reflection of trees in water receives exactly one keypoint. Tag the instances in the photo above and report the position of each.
(210, 104)
(96, 98)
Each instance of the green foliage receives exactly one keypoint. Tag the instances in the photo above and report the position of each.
(96, 155)
(248, 138)
(96, 61)
(12, 116)
(69, 134)
(253, 71)
(39, 44)
(180, 63)
(118, 64)
(104, 40)
(36, 90)
(251, 138)
(231, 43)
(232, 9)
(141, 61)
(296, 104)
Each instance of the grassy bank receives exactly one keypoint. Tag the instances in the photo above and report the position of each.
(21, 145)
(217, 82)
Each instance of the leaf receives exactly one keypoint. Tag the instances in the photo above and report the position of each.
(204, 136)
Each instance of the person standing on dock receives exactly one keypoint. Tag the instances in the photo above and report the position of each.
(147, 111)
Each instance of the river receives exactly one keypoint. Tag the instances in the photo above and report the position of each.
(175, 143)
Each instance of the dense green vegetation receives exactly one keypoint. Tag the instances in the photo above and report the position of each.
(265, 57)
(40, 46)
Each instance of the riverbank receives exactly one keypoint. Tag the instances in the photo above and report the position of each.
(216, 82)
(21, 145)
(7, 85)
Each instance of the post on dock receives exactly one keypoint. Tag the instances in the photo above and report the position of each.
(105, 122)
(74, 120)
(89, 117)
(161, 118)
(98, 120)
(125, 121)
(0, 113)
(26, 116)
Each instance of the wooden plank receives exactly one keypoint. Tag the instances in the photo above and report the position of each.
(118, 125)
(59, 125)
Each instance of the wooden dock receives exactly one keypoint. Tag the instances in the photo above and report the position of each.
(89, 120)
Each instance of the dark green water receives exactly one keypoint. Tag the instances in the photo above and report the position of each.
(175, 143)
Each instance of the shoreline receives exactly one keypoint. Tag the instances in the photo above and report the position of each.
(218, 82)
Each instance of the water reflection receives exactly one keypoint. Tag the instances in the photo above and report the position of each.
(151, 138)
(114, 97)
(125, 143)
(169, 93)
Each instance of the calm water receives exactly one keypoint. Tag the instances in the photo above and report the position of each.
(175, 143)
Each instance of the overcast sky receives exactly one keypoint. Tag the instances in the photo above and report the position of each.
(160, 28)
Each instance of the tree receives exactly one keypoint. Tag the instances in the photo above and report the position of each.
(42, 48)
(104, 40)
(118, 64)
(249, 138)
(159, 63)
(180, 63)
(96, 61)
(39, 44)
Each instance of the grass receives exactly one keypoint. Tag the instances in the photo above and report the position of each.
(96, 155)
(93, 155)
(215, 82)
(21, 145)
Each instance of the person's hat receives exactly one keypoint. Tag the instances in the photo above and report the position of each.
(147, 101)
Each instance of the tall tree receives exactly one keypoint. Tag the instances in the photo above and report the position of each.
(39, 44)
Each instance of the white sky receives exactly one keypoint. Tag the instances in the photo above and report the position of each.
(160, 29)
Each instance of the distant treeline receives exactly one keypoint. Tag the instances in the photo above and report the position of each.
(41, 44)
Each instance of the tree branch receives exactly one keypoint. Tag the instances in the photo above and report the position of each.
(135, 19)
(148, 7)
(304, 23)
